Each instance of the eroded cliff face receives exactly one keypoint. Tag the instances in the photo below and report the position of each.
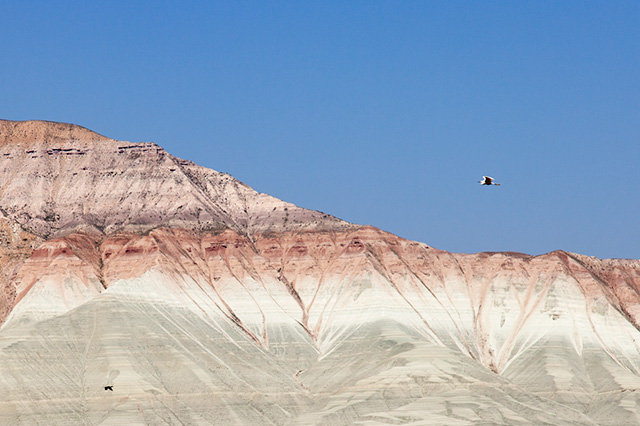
(16, 246)
(203, 302)
(60, 178)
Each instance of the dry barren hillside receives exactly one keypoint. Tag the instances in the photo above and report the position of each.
(201, 301)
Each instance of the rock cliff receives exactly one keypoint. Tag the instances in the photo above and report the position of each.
(201, 301)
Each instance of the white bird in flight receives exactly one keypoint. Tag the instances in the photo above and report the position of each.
(488, 180)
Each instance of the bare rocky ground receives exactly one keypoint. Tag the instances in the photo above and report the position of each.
(195, 300)
(169, 366)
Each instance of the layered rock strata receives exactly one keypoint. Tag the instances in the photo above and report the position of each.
(201, 301)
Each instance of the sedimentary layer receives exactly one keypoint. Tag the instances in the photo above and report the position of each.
(139, 288)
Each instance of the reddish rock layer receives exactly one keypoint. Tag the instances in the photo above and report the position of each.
(317, 270)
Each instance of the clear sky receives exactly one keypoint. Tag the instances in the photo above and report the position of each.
(379, 112)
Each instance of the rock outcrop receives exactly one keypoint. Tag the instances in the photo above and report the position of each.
(61, 178)
(201, 301)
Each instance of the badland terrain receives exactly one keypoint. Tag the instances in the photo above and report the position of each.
(138, 288)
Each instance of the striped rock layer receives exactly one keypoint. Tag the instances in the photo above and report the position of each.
(198, 300)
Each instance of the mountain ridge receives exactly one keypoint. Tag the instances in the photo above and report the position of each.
(254, 311)
(29, 131)
(146, 185)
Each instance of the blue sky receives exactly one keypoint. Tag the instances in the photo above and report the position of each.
(379, 112)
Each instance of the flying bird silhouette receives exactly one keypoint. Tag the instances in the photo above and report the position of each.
(488, 180)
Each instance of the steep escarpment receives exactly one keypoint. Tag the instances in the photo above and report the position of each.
(62, 178)
(16, 246)
(201, 301)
